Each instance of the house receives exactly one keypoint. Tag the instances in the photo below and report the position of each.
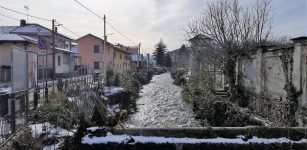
(180, 59)
(90, 48)
(7, 41)
(135, 60)
(202, 59)
(26, 36)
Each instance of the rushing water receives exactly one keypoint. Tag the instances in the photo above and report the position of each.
(161, 105)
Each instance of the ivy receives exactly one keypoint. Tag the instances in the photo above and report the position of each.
(292, 94)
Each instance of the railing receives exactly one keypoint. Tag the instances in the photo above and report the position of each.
(10, 120)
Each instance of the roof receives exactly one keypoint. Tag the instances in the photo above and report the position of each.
(121, 50)
(299, 38)
(63, 50)
(34, 29)
(16, 38)
(7, 29)
(92, 36)
(199, 36)
(108, 43)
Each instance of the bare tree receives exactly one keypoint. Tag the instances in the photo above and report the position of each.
(233, 30)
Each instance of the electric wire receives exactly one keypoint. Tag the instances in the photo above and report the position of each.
(15, 11)
(108, 23)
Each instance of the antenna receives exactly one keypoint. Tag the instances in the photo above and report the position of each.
(27, 9)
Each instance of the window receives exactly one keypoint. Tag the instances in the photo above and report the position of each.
(120, 56)
(59, 60)
(114, 55)
(96, 65)
(96, 48)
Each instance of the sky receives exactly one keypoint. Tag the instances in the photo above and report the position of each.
(143, 21)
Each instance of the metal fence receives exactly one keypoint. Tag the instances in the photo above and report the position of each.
(14, 110)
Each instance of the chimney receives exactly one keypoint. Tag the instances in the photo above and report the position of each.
(23, 22)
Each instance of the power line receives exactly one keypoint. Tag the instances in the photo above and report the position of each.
(120, 33)
(101, 18)
(36, 18)
(88, 9)
(9, 17)
(68, 30)
(24, 14)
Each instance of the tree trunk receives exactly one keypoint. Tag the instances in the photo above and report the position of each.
(230, 74)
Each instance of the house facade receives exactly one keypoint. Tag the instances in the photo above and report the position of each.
(179, 59)
(90, 48)
(26, 36)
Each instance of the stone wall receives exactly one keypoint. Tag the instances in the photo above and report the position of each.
(261, 76)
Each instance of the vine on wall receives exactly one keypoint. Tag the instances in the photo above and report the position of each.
(292, 94)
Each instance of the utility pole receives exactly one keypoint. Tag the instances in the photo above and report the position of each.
(53, 54)
(138, 61)
(104, 48)
(27, 84)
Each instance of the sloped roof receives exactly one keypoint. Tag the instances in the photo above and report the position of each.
(16, 38)
(11, 37)
(107, 43)
(7, 29)
(199, 36)
(35, 28)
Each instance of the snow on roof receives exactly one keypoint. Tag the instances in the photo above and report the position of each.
(35, 40)
(7, 29)
(11, 37)
(62, 49)
(31, 28)
(35, 29)
(17, 38)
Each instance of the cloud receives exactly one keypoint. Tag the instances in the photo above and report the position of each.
(144, 21)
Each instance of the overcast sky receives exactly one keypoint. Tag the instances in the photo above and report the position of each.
(143, 21)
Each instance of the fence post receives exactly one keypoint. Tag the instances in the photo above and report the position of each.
(27, 106)
(46, 93)
(36, 97)
(13, 113)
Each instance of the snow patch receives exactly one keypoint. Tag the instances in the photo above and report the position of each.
(110, 138)
(5, 89)
(112, 90)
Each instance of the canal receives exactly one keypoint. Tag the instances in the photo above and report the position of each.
(160, 105)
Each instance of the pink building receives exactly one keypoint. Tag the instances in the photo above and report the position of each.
(90, 48)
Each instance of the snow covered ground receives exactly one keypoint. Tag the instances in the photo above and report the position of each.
(38, 130)
(110, 138)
